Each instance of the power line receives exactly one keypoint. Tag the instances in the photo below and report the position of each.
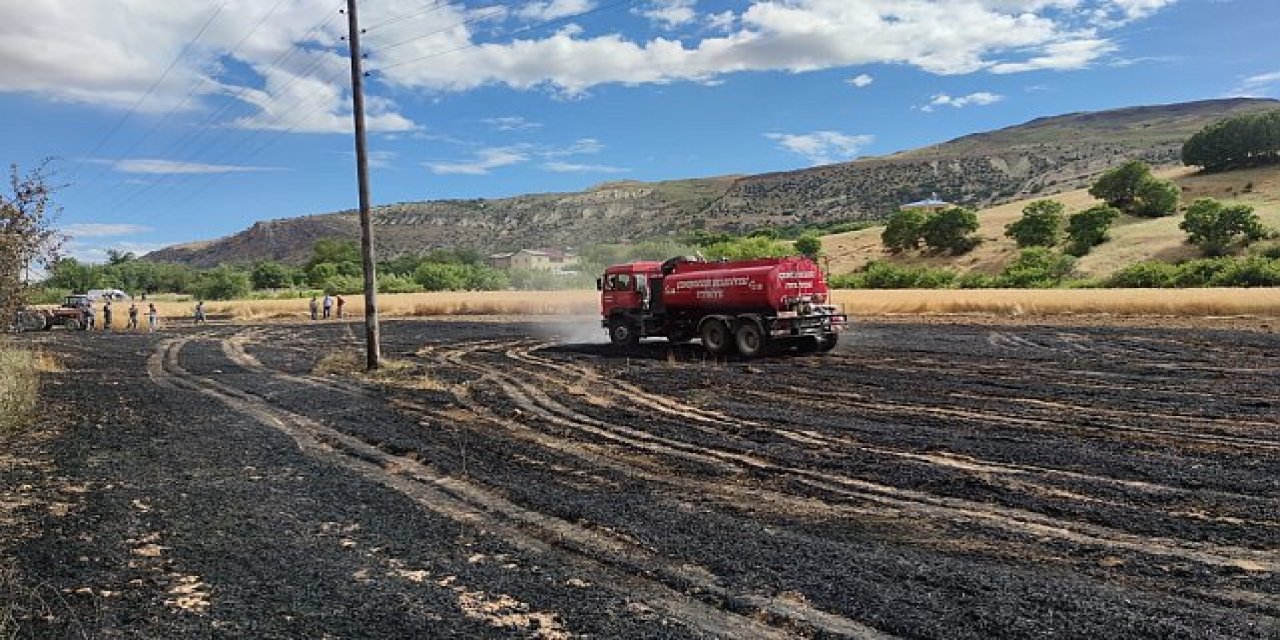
(478, 17)
(435, 6)
(181, 54)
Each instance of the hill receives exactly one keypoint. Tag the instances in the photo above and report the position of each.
(1044, 156)
(1132, 239)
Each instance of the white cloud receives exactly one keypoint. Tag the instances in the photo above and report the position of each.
(569, 167)
(981, 99)
(860, 80)
(109, 52)
(97, 252)
(553, 9)
(103, 230)
(485, 161)
(170, 167)
(937, 36)
(670, 14)
(1257, 85)
(511, 123)
(583, 146)
(822, 147)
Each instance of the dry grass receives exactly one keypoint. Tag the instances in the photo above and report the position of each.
(1133, 239)
(19, 385)
(445, 303)
(1123, 302)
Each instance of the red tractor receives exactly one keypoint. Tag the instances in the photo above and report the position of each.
(70, 315)
(747, 305)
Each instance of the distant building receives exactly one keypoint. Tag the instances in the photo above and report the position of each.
(544, 259)
(932, 205)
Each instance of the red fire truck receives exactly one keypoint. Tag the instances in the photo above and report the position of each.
(746, 305)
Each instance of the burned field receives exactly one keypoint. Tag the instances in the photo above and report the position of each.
(937, 481)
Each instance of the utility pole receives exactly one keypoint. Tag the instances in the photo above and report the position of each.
(373, 348)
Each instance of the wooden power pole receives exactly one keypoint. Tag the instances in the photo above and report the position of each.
(373, 348)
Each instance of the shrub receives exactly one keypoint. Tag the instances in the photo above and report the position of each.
(975, 280)
(271, 275)
(19, 386)
(903, 232)
(1089, 228)
(884, 275)
(1199, 273)
(951, 230)
(480, 278)
(397, 284)
(1214, 227)
(1144, 275)
(1039, 226)
(748, 248)
(1132, 189)
(809, 245)
(344, 285)
(222, 283)
(435, 276)
(1156, 198)
(1037, 267)
(1254, 271)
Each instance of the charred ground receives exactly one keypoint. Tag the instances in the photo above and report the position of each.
(957, 481)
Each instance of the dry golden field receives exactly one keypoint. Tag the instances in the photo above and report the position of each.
(1132, 302)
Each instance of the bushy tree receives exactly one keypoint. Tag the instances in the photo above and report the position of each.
(27, 236)
(1089, 228)
(1037, 267)
(1242, 141)
(320, 273)
(222, 283)
(1119, 186)
(271, 275)
(1156, 198)
(1214, 227)
(1040, 224)
(749, 248)
(334, 251)
(903, 232)
(809, 245)
(951, 230)
(482, 278)
(1132, 189)
(436, 276)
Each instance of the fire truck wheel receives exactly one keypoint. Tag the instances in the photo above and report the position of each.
(623, 333)
(73, 325)
(750, 339)
(827, 342)
(716, 337)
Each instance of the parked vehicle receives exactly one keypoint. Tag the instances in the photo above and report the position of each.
(747, 306)
(69, 315)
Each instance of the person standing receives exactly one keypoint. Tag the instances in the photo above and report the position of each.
(315, 307)
(90, 316)
(133, 316)
(106, 315)
(200, 312)
(153, 318)
(328, 306)
(341, 302)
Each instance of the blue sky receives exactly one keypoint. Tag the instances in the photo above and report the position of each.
(168, 137)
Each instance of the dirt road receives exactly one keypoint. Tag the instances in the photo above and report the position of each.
(932, 481)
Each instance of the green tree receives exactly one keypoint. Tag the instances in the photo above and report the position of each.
(71, 274)
(1040, 224)
(1089, 228)
(1214, 227)
(222, 283)
(321, 272)
(1119, 186)
(903, 232)
(748, 249)
(1155, 198)
(1242, 141)
(438, 276)
(1037, 267)
(951, 230)
(271, 275)
(809, 245)
(334, 251)
(27, 236)
(482, 278)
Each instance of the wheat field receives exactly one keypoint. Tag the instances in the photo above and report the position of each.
(1009, 302)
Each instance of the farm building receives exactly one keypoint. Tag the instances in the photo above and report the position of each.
(545, 259)
(930, 205)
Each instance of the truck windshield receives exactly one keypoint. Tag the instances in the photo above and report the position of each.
(619, 282)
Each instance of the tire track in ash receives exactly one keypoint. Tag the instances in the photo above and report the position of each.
(925, 504)
(468, 502)
(1018, 477)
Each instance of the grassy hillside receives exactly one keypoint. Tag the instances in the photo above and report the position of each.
(1132, 239)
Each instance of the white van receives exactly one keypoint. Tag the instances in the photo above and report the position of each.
(107, 294)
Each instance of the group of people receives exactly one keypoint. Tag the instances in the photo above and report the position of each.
(89, 316)
(326, 306)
